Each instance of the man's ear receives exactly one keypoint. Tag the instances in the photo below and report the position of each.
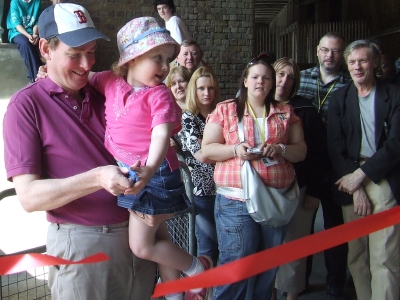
(44, 49)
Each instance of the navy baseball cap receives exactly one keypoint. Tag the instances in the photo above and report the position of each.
(70, 23)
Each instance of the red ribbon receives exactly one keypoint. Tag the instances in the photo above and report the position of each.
(17, 263)
(262, 261)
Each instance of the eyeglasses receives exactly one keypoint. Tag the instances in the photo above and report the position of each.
(255, 61)
(334, 51)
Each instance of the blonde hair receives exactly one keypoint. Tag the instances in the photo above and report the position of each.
(286, 61)
(179, 70)
(191, 95)
(121, 71)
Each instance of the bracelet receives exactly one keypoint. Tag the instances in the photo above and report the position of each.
(234, 149)
(283, 147)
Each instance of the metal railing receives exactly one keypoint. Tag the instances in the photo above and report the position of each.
(24, 285)
(33, 285)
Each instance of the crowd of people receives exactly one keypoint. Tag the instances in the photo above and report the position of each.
(99, 152)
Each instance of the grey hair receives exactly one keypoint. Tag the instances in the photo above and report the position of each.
(361, 44)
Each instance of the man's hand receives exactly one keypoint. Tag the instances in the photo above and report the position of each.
(310, 202)
(114, 180)
(351, 182)
(150, 220)
(362, 204)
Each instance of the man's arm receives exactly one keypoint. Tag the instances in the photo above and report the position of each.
(36, 194)
(351, 182)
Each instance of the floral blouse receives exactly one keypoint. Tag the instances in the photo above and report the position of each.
(191, 136)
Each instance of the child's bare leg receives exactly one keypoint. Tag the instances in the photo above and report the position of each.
(150, 243)
(145, 243)
(166, 273)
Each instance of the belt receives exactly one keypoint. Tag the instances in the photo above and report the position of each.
(103, 228)
(230, 192)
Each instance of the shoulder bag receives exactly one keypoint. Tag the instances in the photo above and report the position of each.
(266, 205)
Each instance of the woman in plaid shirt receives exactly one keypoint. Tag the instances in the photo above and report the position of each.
(272, 127)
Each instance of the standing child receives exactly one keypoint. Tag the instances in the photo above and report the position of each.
(141, 116)
(203, 94)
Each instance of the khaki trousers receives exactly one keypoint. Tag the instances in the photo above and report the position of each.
(374, 259)
(123, 277)
(291, 277)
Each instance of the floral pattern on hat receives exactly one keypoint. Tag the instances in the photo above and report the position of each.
(136, 28)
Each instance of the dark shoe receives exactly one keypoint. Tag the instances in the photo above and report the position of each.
(334, 293)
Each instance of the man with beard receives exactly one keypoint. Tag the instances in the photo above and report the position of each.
(317, 84)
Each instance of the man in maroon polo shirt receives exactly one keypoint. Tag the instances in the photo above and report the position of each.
(54, 154)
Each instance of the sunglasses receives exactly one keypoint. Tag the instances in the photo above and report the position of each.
(262, 60)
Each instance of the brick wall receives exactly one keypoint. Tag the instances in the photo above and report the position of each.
(223, 29)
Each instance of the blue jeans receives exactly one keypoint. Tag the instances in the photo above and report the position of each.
(164, 194)
(239, 236)
(30, 54)
(205, 229)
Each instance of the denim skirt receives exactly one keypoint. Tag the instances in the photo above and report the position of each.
(164, 194)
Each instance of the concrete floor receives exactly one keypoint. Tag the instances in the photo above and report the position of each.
(20, 230)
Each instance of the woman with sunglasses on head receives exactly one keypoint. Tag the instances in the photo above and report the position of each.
(291, 277)
(273, 128)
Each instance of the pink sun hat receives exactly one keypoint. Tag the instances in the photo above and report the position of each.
(140, 36)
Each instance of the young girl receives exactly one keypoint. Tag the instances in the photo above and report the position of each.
(141, 116)
(203, 94)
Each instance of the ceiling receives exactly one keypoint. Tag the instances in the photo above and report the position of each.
(267, 10)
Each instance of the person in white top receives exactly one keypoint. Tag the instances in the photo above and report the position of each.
(176, 27)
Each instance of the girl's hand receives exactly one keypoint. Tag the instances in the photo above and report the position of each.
(149, 219)
(241, 151)
(42, 73)
(144, 173)
(271, 150)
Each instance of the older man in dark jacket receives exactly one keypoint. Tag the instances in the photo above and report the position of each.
(364, 142)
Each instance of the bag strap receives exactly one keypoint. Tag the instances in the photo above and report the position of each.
(241, 131)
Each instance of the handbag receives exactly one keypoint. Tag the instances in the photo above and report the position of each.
(267, 205)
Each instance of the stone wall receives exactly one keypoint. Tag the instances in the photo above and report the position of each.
(224, 30)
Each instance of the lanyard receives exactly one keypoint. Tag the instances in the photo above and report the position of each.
(261, 131)
(326, 96)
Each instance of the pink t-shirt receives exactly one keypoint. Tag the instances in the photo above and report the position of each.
(131, 116)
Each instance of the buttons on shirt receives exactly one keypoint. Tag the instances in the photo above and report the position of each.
(75, 107)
